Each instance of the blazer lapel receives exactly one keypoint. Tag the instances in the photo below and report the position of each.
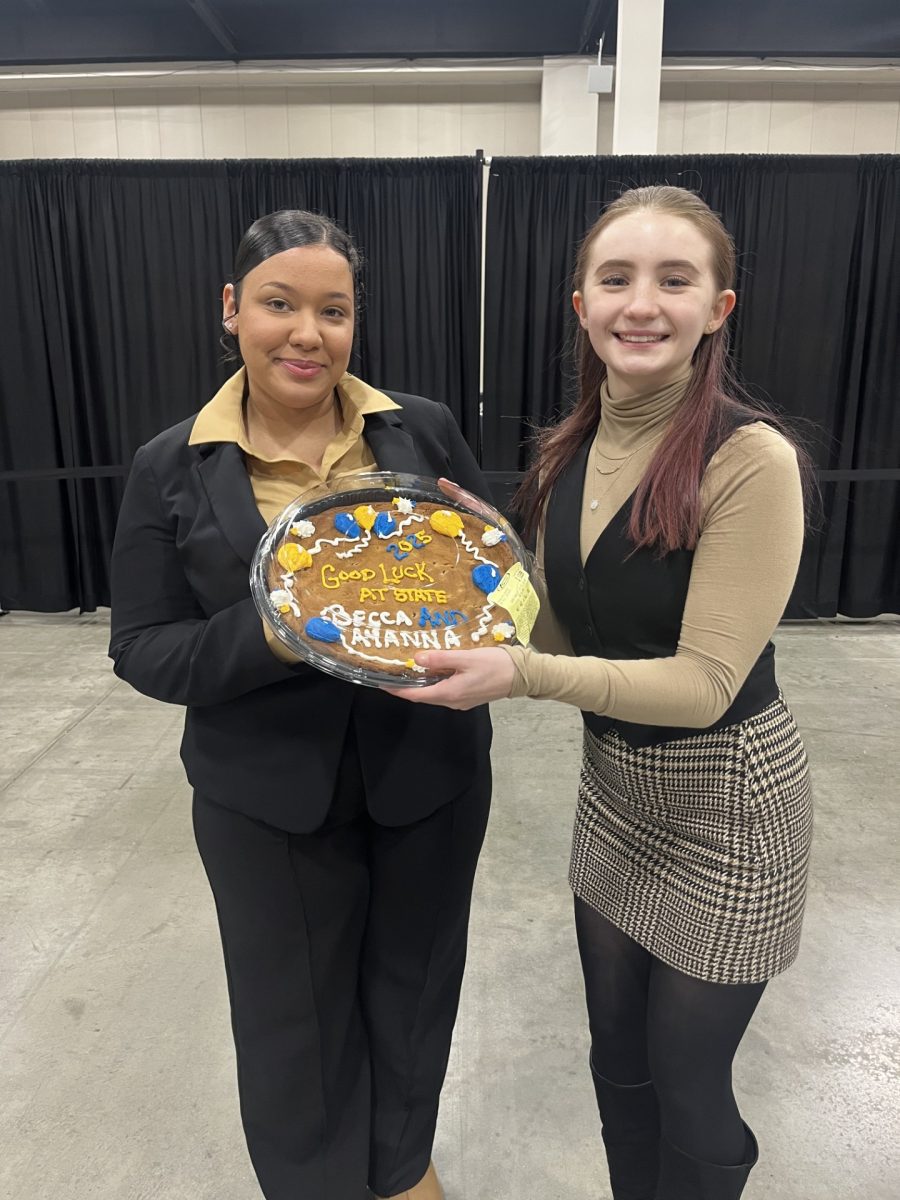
(393, 447)
(227, 486)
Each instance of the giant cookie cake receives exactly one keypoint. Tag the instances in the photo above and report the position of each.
(370, 585)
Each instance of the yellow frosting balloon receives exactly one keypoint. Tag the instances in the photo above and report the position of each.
(293, 557)
(449, 523)
(365, 516)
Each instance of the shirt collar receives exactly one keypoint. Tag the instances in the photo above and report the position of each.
(222, 418)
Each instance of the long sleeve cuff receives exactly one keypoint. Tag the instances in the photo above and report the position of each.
(520, 679)
(580, 681)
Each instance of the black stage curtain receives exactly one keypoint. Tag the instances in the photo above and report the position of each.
(111, 322)
(816, 329)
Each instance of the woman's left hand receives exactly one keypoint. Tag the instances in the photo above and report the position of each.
(473, 677)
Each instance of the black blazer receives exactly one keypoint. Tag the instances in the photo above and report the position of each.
(261, 736)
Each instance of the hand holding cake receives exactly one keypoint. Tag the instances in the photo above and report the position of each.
(474, 677)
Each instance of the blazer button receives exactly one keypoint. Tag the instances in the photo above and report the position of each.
(581, 585)
(588, 631)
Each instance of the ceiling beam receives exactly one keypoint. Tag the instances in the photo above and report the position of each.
(216, 27)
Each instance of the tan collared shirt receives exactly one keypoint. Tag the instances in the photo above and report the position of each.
(277, 482)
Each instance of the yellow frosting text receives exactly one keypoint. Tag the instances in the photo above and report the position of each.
(419, 596)
(396, 574)
(333, 578)
(369, 595)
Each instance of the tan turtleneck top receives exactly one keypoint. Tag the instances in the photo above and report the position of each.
(743, 571)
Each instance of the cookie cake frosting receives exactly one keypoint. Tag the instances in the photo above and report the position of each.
(367, 586)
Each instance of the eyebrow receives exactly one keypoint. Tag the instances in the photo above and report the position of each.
(683, 264)
(286, 287)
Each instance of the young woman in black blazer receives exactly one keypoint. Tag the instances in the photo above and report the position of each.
(339, 827)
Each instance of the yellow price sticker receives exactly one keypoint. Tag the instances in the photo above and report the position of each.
(516, 594)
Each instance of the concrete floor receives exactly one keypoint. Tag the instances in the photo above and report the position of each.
(115, 1049)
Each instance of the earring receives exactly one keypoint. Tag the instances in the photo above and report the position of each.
(226, 325)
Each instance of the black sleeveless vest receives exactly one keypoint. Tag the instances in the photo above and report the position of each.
(628, 604)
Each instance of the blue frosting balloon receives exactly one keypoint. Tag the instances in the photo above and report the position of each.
(485, 577)
(384, 525)
(322, 630)
(344, 523)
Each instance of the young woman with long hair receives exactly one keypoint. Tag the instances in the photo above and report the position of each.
(670, 516)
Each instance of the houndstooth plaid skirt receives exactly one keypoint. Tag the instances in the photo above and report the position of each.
(698, 848)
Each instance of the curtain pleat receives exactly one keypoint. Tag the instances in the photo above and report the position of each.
(110, 324)
(111, 314)
(816, 329)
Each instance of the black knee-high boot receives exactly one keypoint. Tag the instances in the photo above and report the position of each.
(630, 1131)
(682, 1177)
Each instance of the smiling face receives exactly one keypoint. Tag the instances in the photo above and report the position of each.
(294, 325)
(648, 296)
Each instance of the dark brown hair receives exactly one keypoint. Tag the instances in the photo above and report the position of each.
(285, 230)
(666, 509)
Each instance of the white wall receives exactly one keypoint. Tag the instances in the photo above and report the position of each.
(754, 118)
(413, 118)
(314, 121)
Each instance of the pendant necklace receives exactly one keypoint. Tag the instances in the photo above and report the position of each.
(611, 471)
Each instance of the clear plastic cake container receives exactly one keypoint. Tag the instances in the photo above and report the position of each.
(380, 490)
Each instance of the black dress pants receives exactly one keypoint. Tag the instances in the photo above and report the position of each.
(344, 953)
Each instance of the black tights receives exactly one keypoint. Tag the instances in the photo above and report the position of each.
(650, 1021)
